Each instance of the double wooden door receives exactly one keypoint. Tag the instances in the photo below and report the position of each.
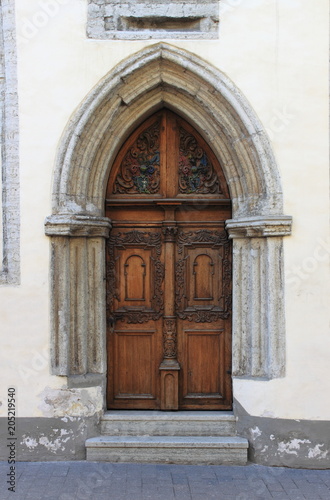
(168, 272)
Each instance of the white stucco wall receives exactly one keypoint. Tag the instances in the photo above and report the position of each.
(276, 52)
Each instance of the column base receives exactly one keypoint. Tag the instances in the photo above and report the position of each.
(169, 380)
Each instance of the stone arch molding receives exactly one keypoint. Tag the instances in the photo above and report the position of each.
(163, 75)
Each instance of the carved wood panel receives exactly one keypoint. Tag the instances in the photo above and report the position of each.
(203, 255)
(196, 172)
(139, 170)
(170, 346)
(168, 158)
(135, 275)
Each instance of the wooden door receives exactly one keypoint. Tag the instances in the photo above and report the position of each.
(168, 272)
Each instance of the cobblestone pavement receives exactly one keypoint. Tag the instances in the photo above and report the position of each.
(102, 481)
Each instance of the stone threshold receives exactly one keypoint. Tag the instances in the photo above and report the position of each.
(168, 415)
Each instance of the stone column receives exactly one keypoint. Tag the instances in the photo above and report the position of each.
(78, 347)
(258, 295)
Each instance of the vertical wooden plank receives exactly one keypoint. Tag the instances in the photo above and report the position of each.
(172, 156)
(163, 153)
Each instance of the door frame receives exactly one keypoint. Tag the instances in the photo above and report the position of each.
(206, 97)
(161, 218)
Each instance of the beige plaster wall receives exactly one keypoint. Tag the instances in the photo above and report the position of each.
(275, 51)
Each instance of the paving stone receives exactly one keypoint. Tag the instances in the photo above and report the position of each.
(315, 479)
(34, 495)
(180, 480)
(76, 480)
(18, 496)
(60, 473)
(288, 484)
(136, 481)
(275, 487)
(324, 496)
(296, 495)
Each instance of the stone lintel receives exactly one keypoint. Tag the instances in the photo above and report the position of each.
(259, 226)
(77, 225)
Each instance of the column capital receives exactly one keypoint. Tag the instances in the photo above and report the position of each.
(77, 225)
(259, 226)
(170, 232)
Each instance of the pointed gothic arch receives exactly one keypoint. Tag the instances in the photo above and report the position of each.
(163, 75)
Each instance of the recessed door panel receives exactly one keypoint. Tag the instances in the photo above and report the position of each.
(203, 273)
(203, 359)
(203, 278)
(134, 354)
(134, 288)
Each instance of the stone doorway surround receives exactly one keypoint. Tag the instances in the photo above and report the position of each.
(163, 75)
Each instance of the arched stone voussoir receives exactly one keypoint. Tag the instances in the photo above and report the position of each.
(185, 82)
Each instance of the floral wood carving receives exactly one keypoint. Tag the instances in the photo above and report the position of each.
(201, 236)
(135, 239)
(196, 172)
(139, 170)
(169, 338)
(221, 307)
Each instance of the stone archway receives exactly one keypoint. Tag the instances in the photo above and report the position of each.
(161, 75)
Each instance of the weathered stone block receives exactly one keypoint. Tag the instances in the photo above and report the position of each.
(168, 449)
(143, 19)
(9, 169)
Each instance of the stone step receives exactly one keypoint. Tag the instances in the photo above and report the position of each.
(159, 423)
(197, 450)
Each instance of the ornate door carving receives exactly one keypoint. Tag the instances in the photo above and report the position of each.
(135, 274)
(168, 272)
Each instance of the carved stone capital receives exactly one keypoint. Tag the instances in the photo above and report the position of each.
(259, 226)
(77, 225)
